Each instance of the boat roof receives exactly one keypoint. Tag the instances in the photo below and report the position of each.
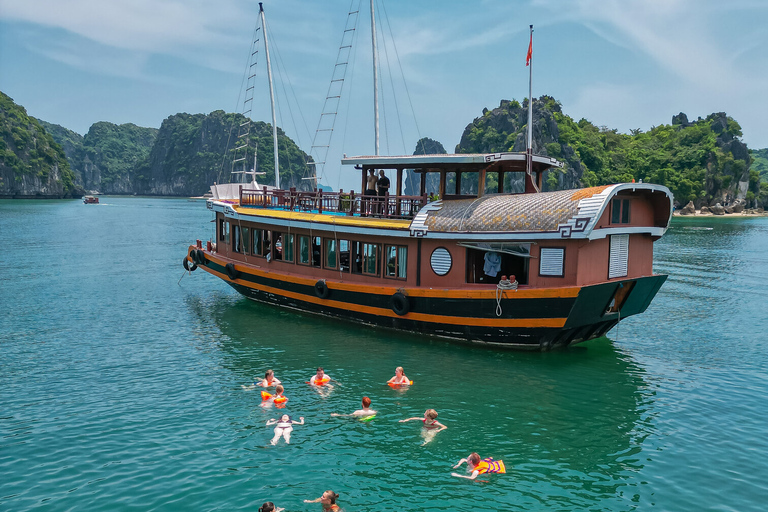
(563, 213)
(464, 161)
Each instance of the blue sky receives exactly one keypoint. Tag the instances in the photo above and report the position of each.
(623, 64)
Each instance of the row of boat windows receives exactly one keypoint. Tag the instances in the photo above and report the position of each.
(315, 251)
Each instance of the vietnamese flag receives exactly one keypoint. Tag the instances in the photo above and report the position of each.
(530, 51)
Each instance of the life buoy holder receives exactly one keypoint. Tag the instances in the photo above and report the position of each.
(400, 303)
(232, 272)
(321, 289)
(187, 266)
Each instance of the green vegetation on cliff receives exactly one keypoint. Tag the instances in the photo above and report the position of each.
(702, 161)
(31, 162)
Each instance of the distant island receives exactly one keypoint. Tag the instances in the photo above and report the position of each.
(704, 162)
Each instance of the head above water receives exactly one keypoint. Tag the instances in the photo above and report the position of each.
(269, 375)
(285, 418)
(279, 389)
(366, 402)
(320, 370)
(267, 507)
(431, 414)
(474, 458)
(399, 370)
(329, 497)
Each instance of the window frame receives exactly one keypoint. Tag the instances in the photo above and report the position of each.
(385, 261)
(541, 260)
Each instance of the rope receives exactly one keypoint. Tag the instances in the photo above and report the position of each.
(504, 284)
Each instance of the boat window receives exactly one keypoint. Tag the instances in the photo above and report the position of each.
(367, 258)
(288, 247)
(304, 250)
(396, 258)
(618, 260)
(344, 253)
(258, 245)
(279, 239)
(224, 230)
(317, 245)
(552, 262)
(620, 211)
(246, 240)
(487, 266)
(237, 243)
(331, 253)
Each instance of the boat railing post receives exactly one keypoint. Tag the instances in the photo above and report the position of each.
(320, 201)
(352, 203)
(293, 198)
(385, 204)
(240, 188)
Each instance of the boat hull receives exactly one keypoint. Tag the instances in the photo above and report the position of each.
(533, 319)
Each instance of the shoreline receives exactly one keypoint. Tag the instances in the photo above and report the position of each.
(698, 213)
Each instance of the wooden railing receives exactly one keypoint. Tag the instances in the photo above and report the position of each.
(348, 203)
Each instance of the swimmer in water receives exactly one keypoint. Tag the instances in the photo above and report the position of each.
(399, 379)
(361, 413)
(477, 466)
(283, 427)
(278, 398)
(431, 425)
(320, 378)
(270, 507)
(327, 500)
(268, 381)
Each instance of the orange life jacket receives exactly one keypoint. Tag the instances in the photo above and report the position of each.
(490, 466)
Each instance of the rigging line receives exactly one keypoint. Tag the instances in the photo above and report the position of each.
(353, 60)
(251, 53)
(391, 80)
(382, 103)
(402, 74)
(284, 77)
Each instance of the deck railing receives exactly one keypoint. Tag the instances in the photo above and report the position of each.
(348, 203)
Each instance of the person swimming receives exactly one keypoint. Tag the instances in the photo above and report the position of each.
(268, 381)
(477, 466)
(363, 414)
(320, 378)
(399, 379)
(327, 500)
(430, 424)
(270, 507)
(283, 428)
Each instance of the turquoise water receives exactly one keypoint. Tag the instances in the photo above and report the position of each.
(120, 386)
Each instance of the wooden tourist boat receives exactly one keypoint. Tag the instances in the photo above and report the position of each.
(583, 259)
(529, 270)
(90, 200)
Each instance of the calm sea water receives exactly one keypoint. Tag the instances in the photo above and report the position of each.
(120, 385)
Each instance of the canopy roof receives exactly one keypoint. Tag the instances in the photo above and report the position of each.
(471, 162)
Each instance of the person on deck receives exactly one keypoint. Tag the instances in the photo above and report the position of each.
(328, 500)
(371, 182)
(361, 413)
(477, 466)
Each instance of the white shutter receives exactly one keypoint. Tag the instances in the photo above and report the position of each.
(551, 262)
(617, 266)
(440, 261)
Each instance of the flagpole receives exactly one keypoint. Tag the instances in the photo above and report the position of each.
(529, 184)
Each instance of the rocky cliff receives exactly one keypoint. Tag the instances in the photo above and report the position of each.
(32, 164)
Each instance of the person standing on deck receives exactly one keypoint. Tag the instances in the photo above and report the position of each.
(383, 187)
(370, 190)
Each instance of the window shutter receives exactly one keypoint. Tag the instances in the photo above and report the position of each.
(551, 262)
(617, 267)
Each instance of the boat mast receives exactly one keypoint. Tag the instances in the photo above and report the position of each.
(271, 95)
(375, 79)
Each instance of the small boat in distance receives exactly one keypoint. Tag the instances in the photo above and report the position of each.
(531, 269)
(90, 200)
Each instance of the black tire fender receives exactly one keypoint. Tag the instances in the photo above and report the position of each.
(187, 266)
(400, 303)
(200, 257)
(232, 272)
(321, 289)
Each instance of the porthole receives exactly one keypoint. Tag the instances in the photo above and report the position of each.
(440, 261)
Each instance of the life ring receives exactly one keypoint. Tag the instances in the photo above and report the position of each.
(400, 304)
(321, 289)
(232, 272)
(187, 267)
(280, 400)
